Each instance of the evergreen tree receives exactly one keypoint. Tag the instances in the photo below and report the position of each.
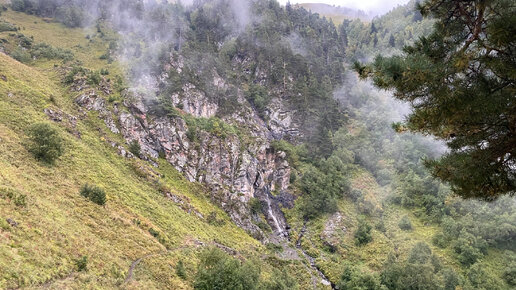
(392, 41)
(363, 233)
(373, 28)
(460, 81)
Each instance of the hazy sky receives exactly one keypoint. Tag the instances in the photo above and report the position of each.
(377, 6)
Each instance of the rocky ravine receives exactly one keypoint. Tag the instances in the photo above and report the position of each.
(235, 170)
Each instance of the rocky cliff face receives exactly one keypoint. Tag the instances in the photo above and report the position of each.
(236, 168)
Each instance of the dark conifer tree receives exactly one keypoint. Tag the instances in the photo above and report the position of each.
(460, 81)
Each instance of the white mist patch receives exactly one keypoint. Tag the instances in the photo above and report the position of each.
(372, 103)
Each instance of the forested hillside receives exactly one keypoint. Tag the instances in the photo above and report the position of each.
(226, 144)
(336, 13)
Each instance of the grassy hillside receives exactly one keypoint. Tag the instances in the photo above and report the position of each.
(57, 226)
(334, 252)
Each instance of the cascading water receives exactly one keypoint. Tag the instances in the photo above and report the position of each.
(283, 235)
(278, 222)
(279, 228)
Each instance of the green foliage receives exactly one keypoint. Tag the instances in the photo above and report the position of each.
(21, 55)
(82, 264)
(106, 56)
(356, 194)
(71, 16)
(212, 125)
(264, 226)
(180, 270)
(405, 223)
(274, 247)
(43, 50)
(76, 70)
(191, 134)
(481, 278)
(255, 205)
(18, 5)
(440, 240)
(292, 151)
(451, 279)
(353, 278)
(486, 222)
(317, 200)
(165, 107)
(154, 233)
(19, 199)
(418, 272)
(6, 26)
(322, 186)
(94, 193)
(24, 41)
(509, 274)
(94, 78)
(4, 225)
(135, 148)
(54, 211)
(380, 226)
(363, 233)
(69, 13)
(218, 270)
(26, 50)
(394, 160)
(46, 143)
(259, 97)
(420, 254)
(463, 92)
(279, 280)
(469, 248)
(213, 220)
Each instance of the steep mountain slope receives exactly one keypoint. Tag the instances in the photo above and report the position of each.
(63, 224)
(150, 210)
(216, 130)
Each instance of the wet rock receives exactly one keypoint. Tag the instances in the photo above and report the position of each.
(55, 116)
(184, 204)
(12, 223)
(235, 169)
(332, 229)
(286, 199)
(281, 120)
(69, 121)
(194, 102)
(92, 102)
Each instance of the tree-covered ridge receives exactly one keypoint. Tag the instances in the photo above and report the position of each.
(291, 50)
(387, 34)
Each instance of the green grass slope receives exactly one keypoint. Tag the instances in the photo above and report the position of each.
(57, 226)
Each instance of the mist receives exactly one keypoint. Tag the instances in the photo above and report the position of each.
(150, 31)
(371, 7)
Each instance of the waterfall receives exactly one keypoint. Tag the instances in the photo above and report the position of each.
(272, 215)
